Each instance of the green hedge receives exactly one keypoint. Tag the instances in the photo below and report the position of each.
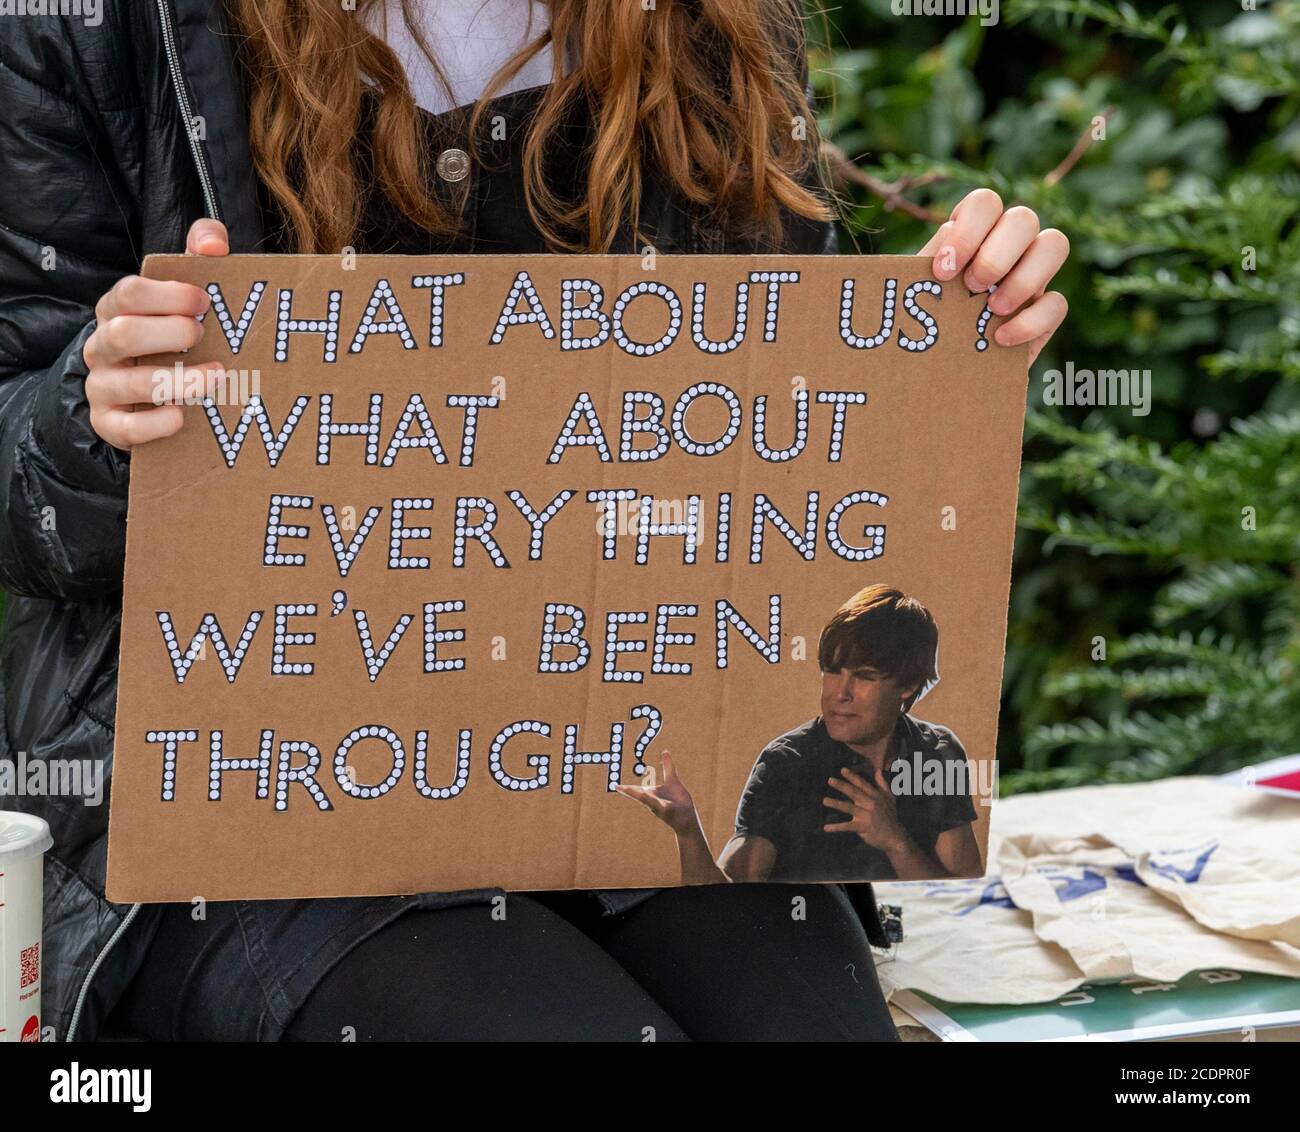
(1167, 542)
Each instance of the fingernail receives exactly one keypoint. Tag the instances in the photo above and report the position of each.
(1002, 336)
(945, 262)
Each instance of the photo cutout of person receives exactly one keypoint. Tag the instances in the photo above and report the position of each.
(865, 791)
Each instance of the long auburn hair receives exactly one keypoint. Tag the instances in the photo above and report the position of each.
(706, 93)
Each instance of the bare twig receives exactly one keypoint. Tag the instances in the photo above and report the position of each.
(1081, 147)
(890, 192)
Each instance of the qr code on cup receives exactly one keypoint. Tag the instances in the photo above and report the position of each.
(29, 964)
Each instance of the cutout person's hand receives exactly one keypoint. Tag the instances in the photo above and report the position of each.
(870, 805)
(670, 801)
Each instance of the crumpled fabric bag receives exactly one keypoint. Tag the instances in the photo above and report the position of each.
(1089, 896)
(1229, 856)
(1248, 886)
(965, 941)
(1151, 880)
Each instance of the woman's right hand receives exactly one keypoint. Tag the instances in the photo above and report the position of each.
(132, 404)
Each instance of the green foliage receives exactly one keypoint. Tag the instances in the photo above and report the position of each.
(1170, 540)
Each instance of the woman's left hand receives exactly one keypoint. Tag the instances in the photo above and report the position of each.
(990, 246)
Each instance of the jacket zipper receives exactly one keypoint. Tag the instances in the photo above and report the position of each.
(210, 206)
(183, 101)
(99, 959)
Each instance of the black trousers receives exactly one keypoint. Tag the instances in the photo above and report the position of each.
(717, 963)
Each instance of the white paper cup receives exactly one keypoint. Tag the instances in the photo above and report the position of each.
(23, 842)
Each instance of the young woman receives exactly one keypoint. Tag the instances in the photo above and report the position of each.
(308, 126)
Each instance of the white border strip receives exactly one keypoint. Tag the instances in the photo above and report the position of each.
(948, 1030)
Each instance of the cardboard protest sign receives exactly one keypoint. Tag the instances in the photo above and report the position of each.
(466, 544)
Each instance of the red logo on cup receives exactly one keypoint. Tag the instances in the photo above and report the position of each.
(31, 1031)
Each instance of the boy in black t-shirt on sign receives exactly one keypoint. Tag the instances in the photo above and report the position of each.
(864, 791)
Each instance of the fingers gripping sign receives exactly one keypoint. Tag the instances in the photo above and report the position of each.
(1007, 252)
(133, 404)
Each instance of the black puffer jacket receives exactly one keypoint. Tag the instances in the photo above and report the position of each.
(97, 169)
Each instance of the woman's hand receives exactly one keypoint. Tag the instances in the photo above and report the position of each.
(132, 404)
(1005, 249)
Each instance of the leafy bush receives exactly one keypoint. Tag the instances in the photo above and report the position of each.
(1155, 620)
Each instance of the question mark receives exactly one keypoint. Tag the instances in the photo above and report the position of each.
(654, 721)
(340, 600)
(982, 343)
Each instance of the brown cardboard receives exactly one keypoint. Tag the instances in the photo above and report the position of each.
(941, 429)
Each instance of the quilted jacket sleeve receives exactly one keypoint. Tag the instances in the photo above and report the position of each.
(65, 238)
